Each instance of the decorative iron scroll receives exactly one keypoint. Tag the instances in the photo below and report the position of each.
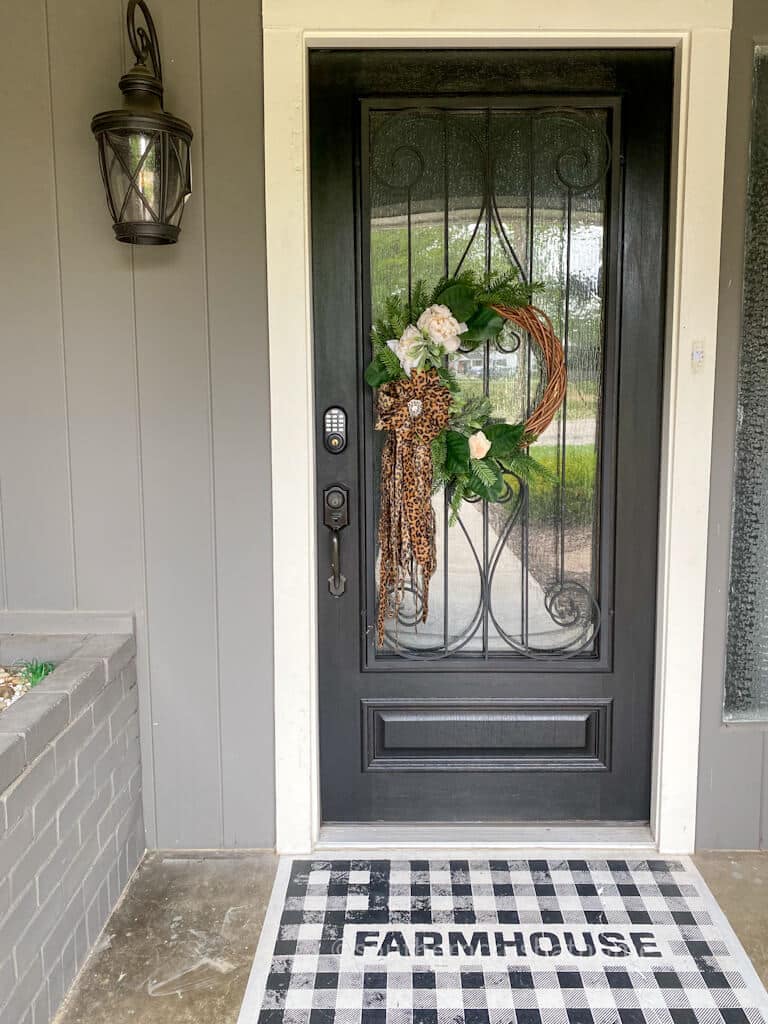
(523, 189)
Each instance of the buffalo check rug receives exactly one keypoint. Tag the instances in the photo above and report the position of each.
(497, 941)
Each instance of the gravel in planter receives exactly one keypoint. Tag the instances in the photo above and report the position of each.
(17, 680)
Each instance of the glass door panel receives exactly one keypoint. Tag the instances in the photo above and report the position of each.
(451, 187)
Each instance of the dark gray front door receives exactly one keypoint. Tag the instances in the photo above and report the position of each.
(527, 695)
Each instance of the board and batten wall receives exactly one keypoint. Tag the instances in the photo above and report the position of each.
(134, 407)
(134, 410)
(733, 758)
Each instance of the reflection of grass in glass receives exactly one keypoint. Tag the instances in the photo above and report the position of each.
(389, 258)
(580, 478)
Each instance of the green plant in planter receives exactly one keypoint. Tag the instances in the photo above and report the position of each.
(34, 672)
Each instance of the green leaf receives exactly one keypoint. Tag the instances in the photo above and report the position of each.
(505, 439)
(527, 468)
(487, 480)
(419, 301)
(379, 373)
(469, 413)
(439, 453)
(390, 362)
(460, 299)
(34, 672)
(457, 496)
(506, 290)
(448, 377)
(465, 277)
(481, 326)
(456, 454)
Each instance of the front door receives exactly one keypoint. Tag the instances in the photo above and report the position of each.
(527, 694)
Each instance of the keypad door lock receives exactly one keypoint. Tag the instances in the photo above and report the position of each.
(336, 517)
(335, 429)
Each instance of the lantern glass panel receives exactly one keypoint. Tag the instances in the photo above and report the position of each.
(178, 187)
(134, 175)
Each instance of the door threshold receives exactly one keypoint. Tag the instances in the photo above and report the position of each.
(471, 835)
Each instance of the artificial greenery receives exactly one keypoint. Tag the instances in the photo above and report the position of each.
(487, 478)
(469, 299)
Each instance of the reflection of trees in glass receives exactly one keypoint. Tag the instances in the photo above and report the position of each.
(437, 205)
(389, 260)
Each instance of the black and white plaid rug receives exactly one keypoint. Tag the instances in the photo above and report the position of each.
(498, 942)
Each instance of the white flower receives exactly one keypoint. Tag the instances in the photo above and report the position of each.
(479, 445)
(439, 324)
(409, 349)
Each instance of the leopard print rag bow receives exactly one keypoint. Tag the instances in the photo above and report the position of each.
(414, 411)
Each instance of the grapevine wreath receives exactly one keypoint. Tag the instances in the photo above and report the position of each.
(437, 436)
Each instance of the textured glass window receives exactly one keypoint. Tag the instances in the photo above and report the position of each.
(491, 189)
(746, 688)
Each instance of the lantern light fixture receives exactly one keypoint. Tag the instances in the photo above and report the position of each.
(143, 150)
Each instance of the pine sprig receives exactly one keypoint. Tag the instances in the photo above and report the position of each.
(419, 301)
(525, 467)
(483, 472)
(470, 413)
(392, 322)
(465, 277)
(439, 453)
(390, 361)
(458, 495)
(449, 378)
(506, 290)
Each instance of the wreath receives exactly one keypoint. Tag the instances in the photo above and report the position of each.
(437, 436)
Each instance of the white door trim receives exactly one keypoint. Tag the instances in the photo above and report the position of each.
(702, 49)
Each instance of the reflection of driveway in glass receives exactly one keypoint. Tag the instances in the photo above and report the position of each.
(463, 597)
(580, 432)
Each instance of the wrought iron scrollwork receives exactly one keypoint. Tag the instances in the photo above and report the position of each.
(143, 40)
(569, 604)
(584, 155)
(570, 152)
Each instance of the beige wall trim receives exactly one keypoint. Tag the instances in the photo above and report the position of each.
(699, 31)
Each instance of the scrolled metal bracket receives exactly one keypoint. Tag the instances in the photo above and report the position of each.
(143, 40)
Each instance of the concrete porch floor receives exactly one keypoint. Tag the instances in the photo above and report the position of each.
(178, 949)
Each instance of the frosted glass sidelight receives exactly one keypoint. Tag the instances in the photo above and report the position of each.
(746, 686)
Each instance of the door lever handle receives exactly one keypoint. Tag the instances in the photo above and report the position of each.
(336, 517)
(337, 581)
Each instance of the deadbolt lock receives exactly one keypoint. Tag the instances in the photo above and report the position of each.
(336, 507)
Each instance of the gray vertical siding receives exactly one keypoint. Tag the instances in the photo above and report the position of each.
(733, 765)
(37, 506)
(134, 420)
(134, 446)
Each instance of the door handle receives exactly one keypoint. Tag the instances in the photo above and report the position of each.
(336, 517)
(337, 581)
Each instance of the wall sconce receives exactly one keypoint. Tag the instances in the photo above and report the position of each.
(144, 151)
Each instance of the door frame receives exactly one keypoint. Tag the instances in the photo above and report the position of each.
(698, 148)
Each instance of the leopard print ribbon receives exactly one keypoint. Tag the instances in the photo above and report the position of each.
(414, 411)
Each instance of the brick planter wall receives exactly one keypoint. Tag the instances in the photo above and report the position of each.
(71, 828)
